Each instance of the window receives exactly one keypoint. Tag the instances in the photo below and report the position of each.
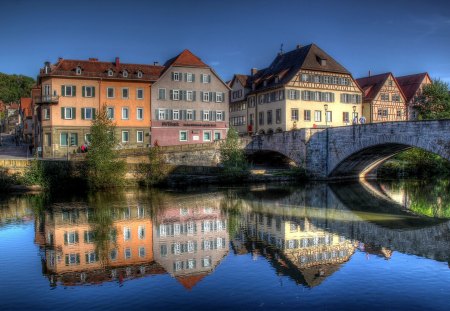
(163, 250)
(305, 78)
(125, 113)
(113, 254)
(269, 117)
(161, 114)
(383, 113)
(307, 115)
(293, 94)
(72, 259)
(251, 102)
(294, 114)
(125, 73)
(206, 135)
(395, 97)
(384, 96)
(219, 97)
(189, 96)
(87, 113)
(71, 237)
(78, 71)
(205, 115)
(125, 93)
(390, 82)
(219, 116)
(110, 112)
(317, 116)
(140, 93)
(125, 136)
(68, 90)
(141, 232)
(87, 138)
(176, 114)
(162, 94)
(346, 117)
(91, 257)
(206, 78)
(126, 233)
(110, 92)
(328, 116)
(183, 136)
(127, 253)
(261, 118)
(399, 113)
(139, 74)
(189, 77)
(46, 113)
(217, 136)
(140, 113)
(110, 73)
(175, 94)
(141, 251)
(64, 139)
(190, 115)
(176, 76)
(140, 136)
(205, 96)
(68, 113)
(48, 139)
(278, 116)
(88, 91)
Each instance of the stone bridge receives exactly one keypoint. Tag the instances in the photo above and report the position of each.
(356, 150)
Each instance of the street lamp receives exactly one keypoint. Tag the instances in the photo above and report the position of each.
(354, 114)
(326, 117)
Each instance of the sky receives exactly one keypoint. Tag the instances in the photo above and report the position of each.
(403, 37)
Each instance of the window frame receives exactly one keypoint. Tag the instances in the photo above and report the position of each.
(128, 137)
(137, 136)
(185, 133)
(113, 92)
(128, 113)
(140, 109)
(127, 91)
(137, 93)
(207, 132)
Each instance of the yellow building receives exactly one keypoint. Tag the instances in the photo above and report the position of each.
(383, 98)
(412, 86)
(302, 88)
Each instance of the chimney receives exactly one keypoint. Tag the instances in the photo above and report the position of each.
(299, 46)
(253, 71)
(47, 67)
(369, 73)
(92, 59)
(117, 62)
(155, 63)
(60, 59)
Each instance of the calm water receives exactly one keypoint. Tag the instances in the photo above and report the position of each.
(371, 246)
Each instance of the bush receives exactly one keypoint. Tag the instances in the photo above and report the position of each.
(156, 170)
(233, 160)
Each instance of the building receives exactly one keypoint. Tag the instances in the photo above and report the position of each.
(26, 119)
(190, 242)
(383, 98)
(412, 86)
(189, 103)
(302, 88)
(78, 248)
(70, 92)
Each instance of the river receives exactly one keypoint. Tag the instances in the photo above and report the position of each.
(378, 245)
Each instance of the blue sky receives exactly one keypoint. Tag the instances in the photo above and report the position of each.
(403, 37)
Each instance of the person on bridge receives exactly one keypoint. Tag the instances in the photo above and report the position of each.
(362, 120)
(355, 120)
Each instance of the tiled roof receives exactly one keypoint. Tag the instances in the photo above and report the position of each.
(411, 83)
(186, 58)
(95, 68)
(372, 85)
(242, 79)
(286, 65)
(190, 281)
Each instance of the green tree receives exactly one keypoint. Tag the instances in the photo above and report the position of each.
(233, 156)
(434, 102)
(13, 87)
(105, 169)
(156, 170)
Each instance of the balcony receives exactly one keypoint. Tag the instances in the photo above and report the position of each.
(46, 99)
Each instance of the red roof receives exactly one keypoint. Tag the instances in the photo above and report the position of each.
(25, 105)
(190, 281)
(95, 68)
(186, 58)
(372, 85)
(411, 84)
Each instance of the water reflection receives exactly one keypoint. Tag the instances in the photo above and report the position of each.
(306, 233)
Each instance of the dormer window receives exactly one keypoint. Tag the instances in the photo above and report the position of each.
(277, 79)
(110, 73)
(139, 74)
(78, 71)
(125, 73)
(265, 83)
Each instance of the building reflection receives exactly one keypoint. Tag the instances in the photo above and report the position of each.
(85, 245)
(189, 242)
(295, 247)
